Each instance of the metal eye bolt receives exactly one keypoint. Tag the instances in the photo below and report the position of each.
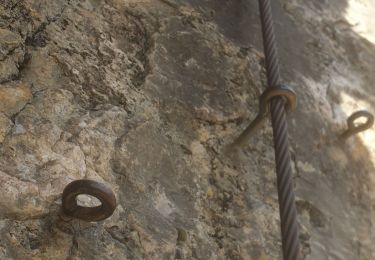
(355, 129)
(281, 91)
(93, 188)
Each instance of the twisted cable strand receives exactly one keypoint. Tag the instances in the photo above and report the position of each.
(288, 212)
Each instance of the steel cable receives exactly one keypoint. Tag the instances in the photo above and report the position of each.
(288, 212)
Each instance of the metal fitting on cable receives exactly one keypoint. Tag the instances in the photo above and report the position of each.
(357, 128)
(89, 187)
(281, 91)
(288, 211)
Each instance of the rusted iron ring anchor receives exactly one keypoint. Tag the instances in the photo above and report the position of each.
(88, 187)
(270, 93)
(355, 129)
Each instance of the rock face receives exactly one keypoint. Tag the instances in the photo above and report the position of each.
(144, 96)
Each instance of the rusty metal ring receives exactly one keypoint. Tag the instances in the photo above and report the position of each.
(355, 129)
(279, 91)
(93, 188)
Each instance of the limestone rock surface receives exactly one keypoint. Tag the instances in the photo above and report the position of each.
(144, 96)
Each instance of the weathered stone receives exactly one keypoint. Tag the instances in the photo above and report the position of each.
(11, 54)
(14, 97)
(5, 126)
(144, 96)
(9, 41)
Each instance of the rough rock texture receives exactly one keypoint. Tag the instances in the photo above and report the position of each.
(145, 95)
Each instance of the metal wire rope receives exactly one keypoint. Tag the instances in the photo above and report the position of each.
(288, 212)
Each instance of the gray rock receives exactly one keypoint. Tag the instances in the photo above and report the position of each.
(144, 96)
